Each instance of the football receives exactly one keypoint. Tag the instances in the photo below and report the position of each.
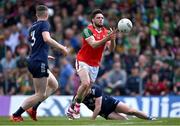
(125, 25)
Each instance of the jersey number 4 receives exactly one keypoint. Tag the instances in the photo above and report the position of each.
(33, 38)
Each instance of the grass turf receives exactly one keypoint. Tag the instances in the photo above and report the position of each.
(62, 121)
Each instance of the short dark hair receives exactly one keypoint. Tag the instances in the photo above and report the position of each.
(96, 11)
(40, 10)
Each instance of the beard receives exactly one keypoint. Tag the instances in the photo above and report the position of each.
(98, 25)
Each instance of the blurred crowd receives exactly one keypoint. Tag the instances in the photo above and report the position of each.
(145, 62)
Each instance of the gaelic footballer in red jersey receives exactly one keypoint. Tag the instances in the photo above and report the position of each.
(95, 38)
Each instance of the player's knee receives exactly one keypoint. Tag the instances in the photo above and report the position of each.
(86, 84)
(56, 86)
(42, 96)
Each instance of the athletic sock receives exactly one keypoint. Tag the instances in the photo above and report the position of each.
(73, 102)
(36, 106)
(79, 100)
(19, 112)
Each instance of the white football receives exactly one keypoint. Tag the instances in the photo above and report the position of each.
(125, 25)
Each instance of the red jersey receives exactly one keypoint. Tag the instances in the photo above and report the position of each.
(87, 54)
(156, 89)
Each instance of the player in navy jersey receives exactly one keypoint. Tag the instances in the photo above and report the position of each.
(109, 107)
(44, 81)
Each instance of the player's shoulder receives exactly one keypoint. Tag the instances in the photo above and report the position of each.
(89, 27)
(87, 32)
(44, 23)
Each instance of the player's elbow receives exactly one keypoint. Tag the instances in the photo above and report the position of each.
(94, 46)
(46, 39)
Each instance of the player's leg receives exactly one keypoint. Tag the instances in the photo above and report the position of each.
(74, 110)
(117, 116)
(123, 108)
(83, 73)
(84, 87)
(52, 86)
(50, 89)
(40, 85)
(40, 94)
(93, 72)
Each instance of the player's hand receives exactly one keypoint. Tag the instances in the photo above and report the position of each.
(113, 35)
(51, 58)
(65, 51)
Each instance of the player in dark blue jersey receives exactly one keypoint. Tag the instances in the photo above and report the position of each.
(44, 81)
(109, 107)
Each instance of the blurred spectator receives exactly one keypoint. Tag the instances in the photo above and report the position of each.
(23, 80)
(176, 44)
(143, 38)
(22, 46)
(177, 59)
(167, 73)
(70, 40)
(155, 87)
(176, 87)
(2, 47)
(2, 81)
(143, 64)
(8, 62)
(66, 77)
(134, 82)
(130, 59)
(157, 67)
(116, 80)
(23, 26)
(58, 28)
(154, 29)
(13, 39)
(9, 66)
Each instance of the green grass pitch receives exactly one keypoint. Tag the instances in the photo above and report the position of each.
(62, 121)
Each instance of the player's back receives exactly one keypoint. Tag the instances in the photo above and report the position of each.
(40, 49)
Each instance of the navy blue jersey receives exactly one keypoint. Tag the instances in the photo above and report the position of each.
(89, 100)
(39, 47)
(108, 103)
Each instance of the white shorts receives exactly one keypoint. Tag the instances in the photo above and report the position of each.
(92, 71)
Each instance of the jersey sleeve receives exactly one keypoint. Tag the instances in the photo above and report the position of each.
(98, 92)
(45, 26)
(87, 33)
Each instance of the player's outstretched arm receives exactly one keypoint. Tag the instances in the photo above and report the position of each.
(98, 103)
(47, 38)
(95, 44)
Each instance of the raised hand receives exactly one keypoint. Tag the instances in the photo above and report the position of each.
(113, 33)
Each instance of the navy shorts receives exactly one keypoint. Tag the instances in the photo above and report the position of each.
(108, 106)
(38, 69)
